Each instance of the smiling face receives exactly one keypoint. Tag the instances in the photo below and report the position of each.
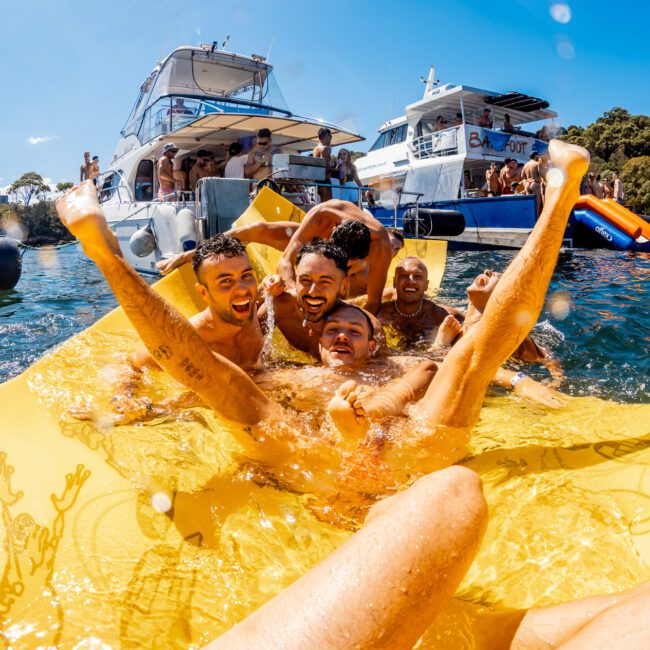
(346, 339)
(411, 280)
(319, 286)
(229, 287)
(481, 289)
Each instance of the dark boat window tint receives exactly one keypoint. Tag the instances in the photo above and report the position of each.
(143, 190)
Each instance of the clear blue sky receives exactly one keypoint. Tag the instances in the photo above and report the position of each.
(70, 71)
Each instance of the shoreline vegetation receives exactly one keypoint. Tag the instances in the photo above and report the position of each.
(617, 141)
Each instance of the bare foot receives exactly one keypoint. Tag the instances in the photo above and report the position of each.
(568, 164)
(448, 331)
(82, 215)
(347, 412)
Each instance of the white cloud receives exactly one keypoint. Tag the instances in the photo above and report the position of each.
(39, 139)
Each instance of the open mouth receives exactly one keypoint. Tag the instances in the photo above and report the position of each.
(410, 290)
(313, 305)
(242, 306)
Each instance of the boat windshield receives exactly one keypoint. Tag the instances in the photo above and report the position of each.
(227, 81)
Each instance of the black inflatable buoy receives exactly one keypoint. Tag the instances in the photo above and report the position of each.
(429, 222)
(11, 264)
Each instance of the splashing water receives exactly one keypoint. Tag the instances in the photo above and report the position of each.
(270, 322)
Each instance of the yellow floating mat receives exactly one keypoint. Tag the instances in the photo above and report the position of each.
(270, 206)
(87, 561)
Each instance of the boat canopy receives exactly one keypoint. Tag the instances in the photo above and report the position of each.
(297, 133)
(446, 101)
(208, 74)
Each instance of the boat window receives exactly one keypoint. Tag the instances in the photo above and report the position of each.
(379, 143)
(143, 190)
(108, 184)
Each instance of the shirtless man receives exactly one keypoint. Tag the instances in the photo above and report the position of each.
(165, 169)
(85, 172)
(332, 219)
(411, 314)
(200, 168)
(485, 120)
(324, 150)
(532, 178)
(509, 175)
(445, 416)
(493, 182)
(259, 163)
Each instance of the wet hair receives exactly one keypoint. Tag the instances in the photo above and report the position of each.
(323, 131)
(353, 237)
(235, 149)
(326, 249)
(397, 233)
(219, 245)
(264, 133)
(345, 305)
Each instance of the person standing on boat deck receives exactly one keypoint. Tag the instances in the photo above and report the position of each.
(324, 150)
(485, 120)
(236, 161)
(510, 174)
(259, 163)
(459, 119)
(85, 173)
(348, 178)
(329, 220)
(200, 168)
(94, 170)
(165, 170)
(533, 179)
(440, 124)
(507, 125)
(493, 182)
(597, 187)
(619, 190)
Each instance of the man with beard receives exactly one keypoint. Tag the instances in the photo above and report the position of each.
(360, 235)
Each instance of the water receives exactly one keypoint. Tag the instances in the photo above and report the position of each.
(603, 342)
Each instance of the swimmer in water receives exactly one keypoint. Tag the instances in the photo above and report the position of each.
(412, 314)
(395, 611)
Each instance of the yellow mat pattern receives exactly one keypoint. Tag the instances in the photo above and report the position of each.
(87, 560)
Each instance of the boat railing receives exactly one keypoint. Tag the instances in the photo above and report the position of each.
(113, 183)
(166, 115)
(436, 144)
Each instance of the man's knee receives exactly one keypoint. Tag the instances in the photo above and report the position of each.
(462, 489)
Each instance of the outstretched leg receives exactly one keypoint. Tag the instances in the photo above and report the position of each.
(456, 393)
(620, 621)
(168, 336)
(387, 583)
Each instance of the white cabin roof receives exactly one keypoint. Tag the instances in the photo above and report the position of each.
(445, 100)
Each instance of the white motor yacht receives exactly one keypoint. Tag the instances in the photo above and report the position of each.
(199, 98)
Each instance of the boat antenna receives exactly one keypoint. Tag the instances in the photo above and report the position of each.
(430, 81)
(223, 45)
(268, 54)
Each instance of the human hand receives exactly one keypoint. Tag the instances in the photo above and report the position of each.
(167, 266)
(535, 393)
(272, 285)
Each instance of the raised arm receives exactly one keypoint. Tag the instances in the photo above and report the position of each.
(168, 336)
(276, 234)
(317, 223)
(378, 260)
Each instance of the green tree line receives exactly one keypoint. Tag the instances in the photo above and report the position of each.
(32, 221)
(619, 141)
